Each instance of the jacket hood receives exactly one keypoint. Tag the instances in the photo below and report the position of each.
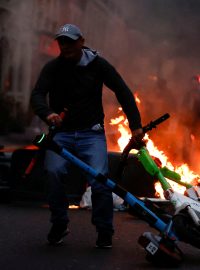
(88, 56)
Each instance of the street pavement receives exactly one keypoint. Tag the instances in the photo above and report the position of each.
(24, 226)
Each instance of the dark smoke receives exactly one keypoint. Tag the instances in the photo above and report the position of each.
(164, 57)
(154, 44)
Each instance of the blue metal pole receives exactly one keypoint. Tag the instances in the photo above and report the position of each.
(127, 196)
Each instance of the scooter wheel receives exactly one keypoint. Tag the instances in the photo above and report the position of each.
(186, 230)
(165, 258)
(160, 251)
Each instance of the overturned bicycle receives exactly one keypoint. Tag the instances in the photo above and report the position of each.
(182, 225)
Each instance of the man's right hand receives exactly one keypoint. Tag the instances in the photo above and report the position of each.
(54, 119)
(138, 134)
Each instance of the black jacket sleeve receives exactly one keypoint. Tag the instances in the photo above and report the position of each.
(114, 81)
(39, 94)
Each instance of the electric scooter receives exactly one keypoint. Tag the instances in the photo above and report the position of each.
(185, 221)
(160, 248)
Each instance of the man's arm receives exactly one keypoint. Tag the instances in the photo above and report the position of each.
(114, 81)
(39, 94)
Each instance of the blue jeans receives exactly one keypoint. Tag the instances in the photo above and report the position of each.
(90, 146)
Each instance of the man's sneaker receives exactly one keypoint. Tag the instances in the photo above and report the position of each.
(104, 240)
(57, 232)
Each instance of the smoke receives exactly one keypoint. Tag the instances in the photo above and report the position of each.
(154, 44)
(162, 57)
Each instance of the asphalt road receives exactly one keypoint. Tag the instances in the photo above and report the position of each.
(23, 229)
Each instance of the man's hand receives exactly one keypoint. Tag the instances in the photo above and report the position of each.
(138, 134)
(54, 119)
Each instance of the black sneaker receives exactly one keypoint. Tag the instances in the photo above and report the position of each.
(57, 232)
(104, 240)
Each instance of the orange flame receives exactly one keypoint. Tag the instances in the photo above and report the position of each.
(72, 206)
(187, 175)
(137, 98)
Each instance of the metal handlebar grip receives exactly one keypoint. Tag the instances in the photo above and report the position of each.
(133, 145)
(156, 122)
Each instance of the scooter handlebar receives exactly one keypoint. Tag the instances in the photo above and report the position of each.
(156, 122)
(132, 144)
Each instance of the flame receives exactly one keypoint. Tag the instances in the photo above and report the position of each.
(187, 175)
(183, 170)
(122, 123)
(72, 206)
(117, 120)
(192, 137)
(137, 98)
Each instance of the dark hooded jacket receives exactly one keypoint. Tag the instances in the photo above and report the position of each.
(78, 88)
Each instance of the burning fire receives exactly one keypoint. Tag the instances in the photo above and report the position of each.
(186, 174)
(137, 98)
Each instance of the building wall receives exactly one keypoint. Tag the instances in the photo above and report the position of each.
(16, 61)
